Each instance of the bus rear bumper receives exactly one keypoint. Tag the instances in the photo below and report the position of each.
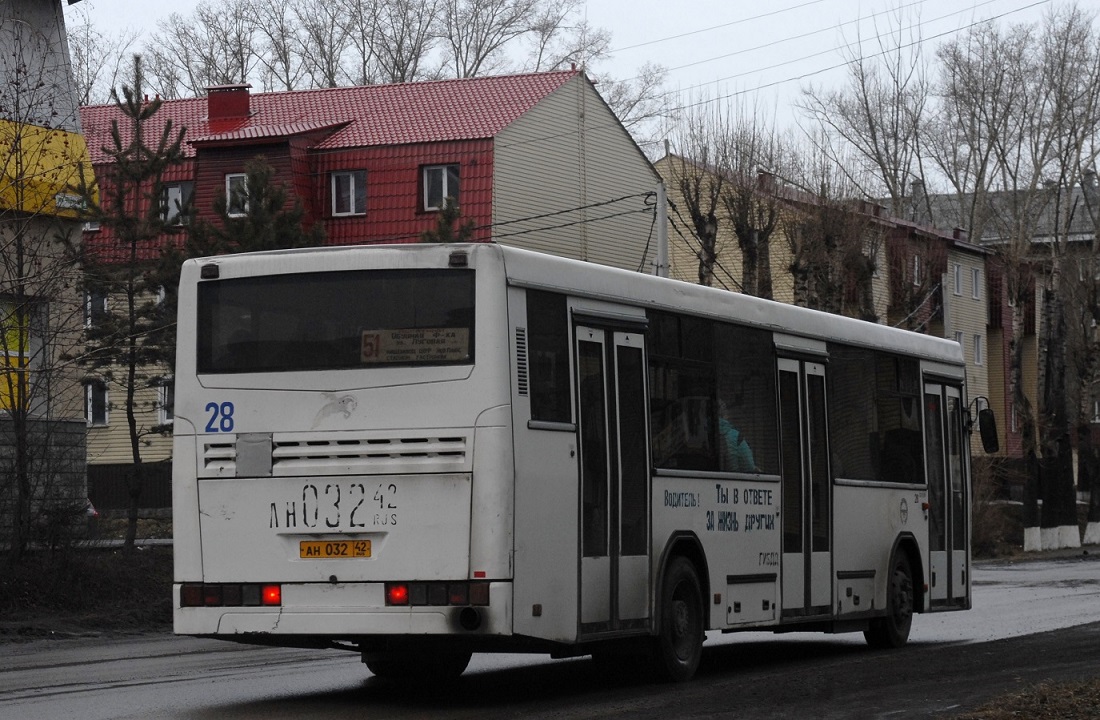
(345, 611)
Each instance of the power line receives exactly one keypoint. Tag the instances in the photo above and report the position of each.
(845, 63)
(718, 27)
(811, 33)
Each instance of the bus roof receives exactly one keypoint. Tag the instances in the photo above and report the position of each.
(536, 270)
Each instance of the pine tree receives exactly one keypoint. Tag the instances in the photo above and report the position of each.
(120, 339)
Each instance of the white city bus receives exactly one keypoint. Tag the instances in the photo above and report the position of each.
(417, 452)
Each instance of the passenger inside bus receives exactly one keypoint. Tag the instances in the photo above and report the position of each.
(736, 453)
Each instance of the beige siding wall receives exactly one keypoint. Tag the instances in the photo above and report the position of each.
(110, 444)
(566, 153)
(969, 315)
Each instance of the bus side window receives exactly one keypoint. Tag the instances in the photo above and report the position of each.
(548, 356)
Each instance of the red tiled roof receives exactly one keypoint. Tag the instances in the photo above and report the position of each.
(373, 115)
(260, 132)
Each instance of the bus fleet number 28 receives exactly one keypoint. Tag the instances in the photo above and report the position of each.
(337, 505)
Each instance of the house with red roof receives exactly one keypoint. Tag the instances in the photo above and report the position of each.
(535, 160)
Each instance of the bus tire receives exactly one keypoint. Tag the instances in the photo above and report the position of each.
(892, 631)
(679, 641)
(412, 668)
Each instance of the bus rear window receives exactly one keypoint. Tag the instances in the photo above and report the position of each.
(336, 321)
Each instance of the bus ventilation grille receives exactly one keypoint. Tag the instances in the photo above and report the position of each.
(521, 361)
(349, 456)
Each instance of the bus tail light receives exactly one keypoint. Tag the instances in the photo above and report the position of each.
(399, 594)
(272, 595)
(230, 595)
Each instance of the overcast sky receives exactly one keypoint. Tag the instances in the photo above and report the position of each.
(717, 48)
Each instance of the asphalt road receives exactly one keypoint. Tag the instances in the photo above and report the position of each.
(1032, 622)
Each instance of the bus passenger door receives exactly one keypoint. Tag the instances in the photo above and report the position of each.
(807, 499)
(614, 464)
(948, 501)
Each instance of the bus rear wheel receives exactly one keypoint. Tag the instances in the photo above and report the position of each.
(892, 631)
(679, 642)
(412, 668)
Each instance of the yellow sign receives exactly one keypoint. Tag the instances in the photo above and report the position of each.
(333, 549)
(40, 169)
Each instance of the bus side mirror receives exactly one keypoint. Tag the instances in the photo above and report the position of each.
(987, 428)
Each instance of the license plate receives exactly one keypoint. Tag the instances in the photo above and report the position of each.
(333, 549)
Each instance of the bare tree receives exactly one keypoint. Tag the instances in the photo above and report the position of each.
(402, 36)
(698, 177)
(41, 464)
(559, 37)
(325, 39)
(475, 33)
(757, 155)
(212, 47)
(1070, 67)
(1023, 102)
(636, 101)
(878, 115)
(96, 57)
(831, 240)
(279, 61)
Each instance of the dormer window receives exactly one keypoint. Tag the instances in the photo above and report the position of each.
(440, 183)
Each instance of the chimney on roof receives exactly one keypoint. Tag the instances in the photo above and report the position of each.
(959, 234)
(228, 102)
(765, 181)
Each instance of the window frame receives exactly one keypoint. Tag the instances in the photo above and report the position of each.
(425, 185)
(355, 195)
(178, 216)
(957, 270)
(976, 280)
(95, 307)
(89, 407)
(230, 210)
(166, 401)
(916, 270)
(979, 351)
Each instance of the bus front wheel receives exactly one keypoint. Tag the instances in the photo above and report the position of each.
(892, 631)
(679, 642)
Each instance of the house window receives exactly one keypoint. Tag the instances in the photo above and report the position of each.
(916, 270)
(349, 193)
(440, 183)
(1096, 411)
(95, 307)
(236, 194)
(175, 201)
(91, 225)
(958, 279)
(166, 401)
(1013, 421)
(959, 337)
(976, 287)
(978, 351)
(13, 357)
(95, 403)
